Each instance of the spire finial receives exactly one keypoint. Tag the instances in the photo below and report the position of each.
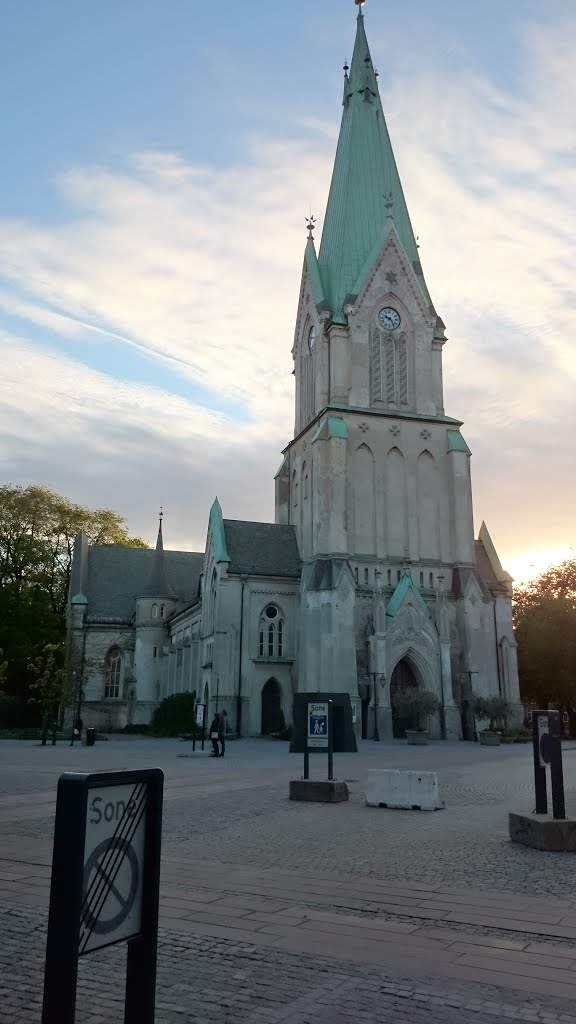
(389, 204)
(310, 222)
(359, 5)
(161, 516)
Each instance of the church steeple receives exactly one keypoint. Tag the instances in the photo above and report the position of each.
(158, 585)
(366, 196)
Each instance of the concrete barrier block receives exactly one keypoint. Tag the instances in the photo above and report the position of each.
(403, 790)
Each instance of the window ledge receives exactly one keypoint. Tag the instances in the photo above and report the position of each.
(277, 661)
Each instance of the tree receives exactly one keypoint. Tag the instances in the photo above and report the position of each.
(49, 686)
(491, 709)
(545, 624)
(37, 531)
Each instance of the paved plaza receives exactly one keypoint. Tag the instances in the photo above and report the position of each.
(273, 911)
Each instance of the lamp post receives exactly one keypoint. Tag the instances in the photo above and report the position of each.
(77, 686)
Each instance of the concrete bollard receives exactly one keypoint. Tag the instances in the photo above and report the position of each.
(403, 790)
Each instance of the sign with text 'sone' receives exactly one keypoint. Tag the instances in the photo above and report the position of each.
(544, 749)
(318, 725)
(113, 865)
(200, 710)
(105, 885)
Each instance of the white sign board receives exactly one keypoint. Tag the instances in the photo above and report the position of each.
(318, 725)
(543, 741)
(113, 865)
(200, 708)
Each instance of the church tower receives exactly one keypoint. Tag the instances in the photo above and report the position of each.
(376, 480)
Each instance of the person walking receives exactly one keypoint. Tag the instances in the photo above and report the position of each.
(222, 732)
(214, 733)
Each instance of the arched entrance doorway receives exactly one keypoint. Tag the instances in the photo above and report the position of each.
(403, 678)
(272, 715)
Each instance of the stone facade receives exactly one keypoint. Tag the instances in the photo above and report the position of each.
(371, 579)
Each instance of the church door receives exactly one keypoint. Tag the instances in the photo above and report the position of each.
(272, 716)
(402, 679)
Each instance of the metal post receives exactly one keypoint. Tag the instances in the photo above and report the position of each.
(306, 761)
(556, 772)
(330, 744)
(61, 968)
(142, 952)
(375, 699)
(539, 771)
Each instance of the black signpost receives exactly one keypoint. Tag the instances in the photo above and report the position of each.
(200, 720)
(319, 736)
(547, 745)
(105, 885)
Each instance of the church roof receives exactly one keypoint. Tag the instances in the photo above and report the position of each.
(366, 197)
(486, 570)
(262, 549)
(117, 576)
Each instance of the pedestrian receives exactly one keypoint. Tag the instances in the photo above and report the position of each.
(222, 732)
(214, 733)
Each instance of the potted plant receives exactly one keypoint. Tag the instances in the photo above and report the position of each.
(494, 710)
(417, 705)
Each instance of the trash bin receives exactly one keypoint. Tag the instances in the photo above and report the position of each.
(90, 737)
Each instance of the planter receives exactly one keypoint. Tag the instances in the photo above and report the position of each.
(489, 739)
(416, 738)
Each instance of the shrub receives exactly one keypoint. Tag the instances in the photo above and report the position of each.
(135, 729)
(175, 715)
(416, 704)
(494, 709)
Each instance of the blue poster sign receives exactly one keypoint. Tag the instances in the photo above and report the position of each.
(318, 726)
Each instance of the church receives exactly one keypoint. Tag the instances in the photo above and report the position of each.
(370, 581)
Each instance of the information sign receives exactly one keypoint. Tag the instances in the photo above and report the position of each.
(200, 711)
(113, 866)
(105, 885)
(544, 746)
(318, 726)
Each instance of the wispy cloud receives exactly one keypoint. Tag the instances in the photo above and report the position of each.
(197, 268)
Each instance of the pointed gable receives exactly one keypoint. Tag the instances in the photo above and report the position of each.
(405, 587)
(365, 192)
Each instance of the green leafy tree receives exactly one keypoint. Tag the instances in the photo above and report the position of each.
(37, 531)
(48, 690)
(545, 624)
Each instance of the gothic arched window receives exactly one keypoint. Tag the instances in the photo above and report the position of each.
(271, 633)
(154, 611)
(113, 674)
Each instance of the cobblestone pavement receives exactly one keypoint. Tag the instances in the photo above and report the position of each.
(274, 911)
(210, 981)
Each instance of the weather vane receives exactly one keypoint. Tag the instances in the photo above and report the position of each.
(310, 222)
(161, 513)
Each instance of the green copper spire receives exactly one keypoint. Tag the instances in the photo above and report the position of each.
(366, 196)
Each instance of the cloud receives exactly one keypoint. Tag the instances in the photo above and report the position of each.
(197, 269)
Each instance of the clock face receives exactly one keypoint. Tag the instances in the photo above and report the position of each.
(389, 318)
(311, 337)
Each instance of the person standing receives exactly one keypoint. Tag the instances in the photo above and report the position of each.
(222, 732)
(214, 734)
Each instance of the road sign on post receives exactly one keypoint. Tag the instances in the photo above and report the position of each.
(200, 717)
(105, 885)
(319, 733)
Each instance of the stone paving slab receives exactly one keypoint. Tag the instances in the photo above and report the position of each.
(275, 913)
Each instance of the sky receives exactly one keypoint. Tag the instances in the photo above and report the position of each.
(158, 163)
